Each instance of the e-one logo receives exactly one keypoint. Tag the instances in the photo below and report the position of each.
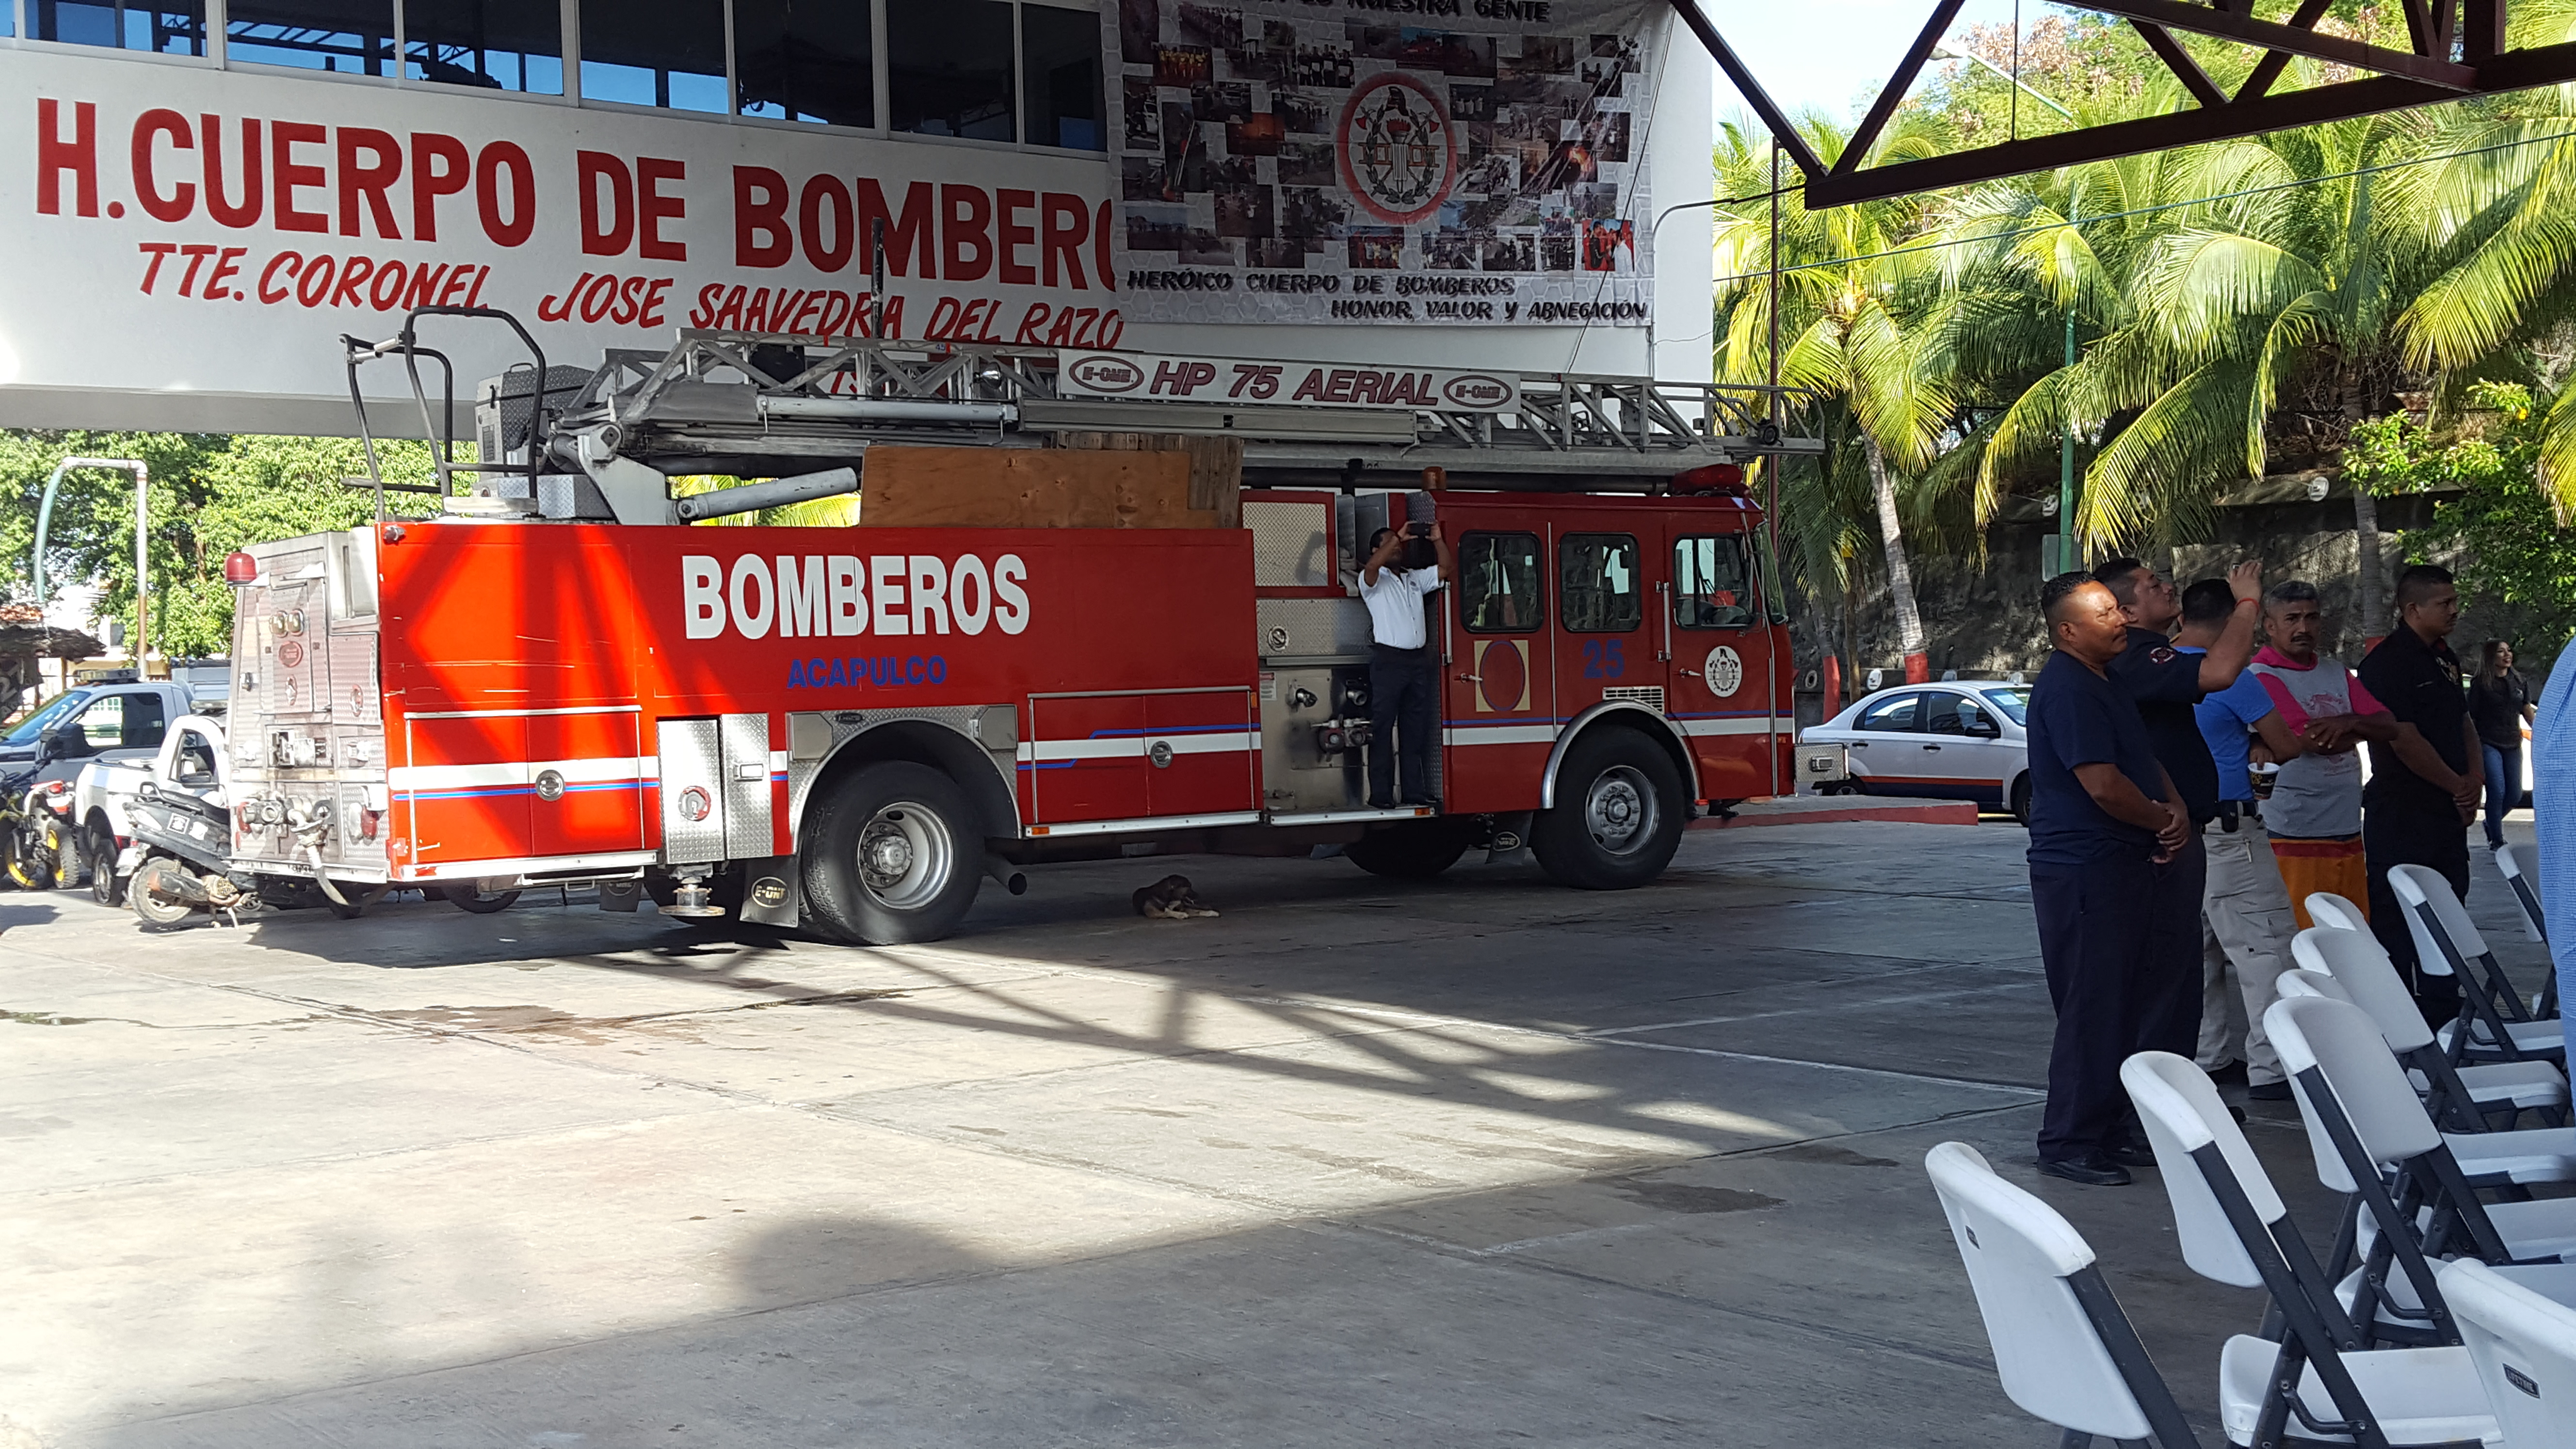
(1108, 374)
(838, 595)
(1472, 390)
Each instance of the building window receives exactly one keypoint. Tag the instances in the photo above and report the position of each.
(1060, 78)
(169, 28)
(669, 53)
(504, 45)
(948, 68)
(805, 60)
(355, 37)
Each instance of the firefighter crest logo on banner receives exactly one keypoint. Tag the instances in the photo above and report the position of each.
(1398, 155)
(1382, 161)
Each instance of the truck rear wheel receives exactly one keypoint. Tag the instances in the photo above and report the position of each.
(892, 854)
(1418, 850)
(1618, 814)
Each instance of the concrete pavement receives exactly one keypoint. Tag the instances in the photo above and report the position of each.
(1475, 1161)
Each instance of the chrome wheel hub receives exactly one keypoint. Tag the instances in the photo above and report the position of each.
(905, 856)
(1619, 810)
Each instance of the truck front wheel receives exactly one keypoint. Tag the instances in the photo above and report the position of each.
(892, 854)
(1618, 814)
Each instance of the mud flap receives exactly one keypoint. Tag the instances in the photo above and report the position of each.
(770, 896)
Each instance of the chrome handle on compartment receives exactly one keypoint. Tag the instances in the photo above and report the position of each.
(1161, 754)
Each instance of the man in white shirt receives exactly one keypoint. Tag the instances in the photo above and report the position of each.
(1404, 675)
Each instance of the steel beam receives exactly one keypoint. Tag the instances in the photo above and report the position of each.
(2229, 25)
(2511, 71)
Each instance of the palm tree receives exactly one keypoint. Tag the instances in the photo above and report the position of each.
(1851, 329)
(2223, 331)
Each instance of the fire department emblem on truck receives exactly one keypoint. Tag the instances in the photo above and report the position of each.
(1398, 148)
(1724, 670)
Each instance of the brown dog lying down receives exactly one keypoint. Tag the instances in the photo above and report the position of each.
(1169, 899)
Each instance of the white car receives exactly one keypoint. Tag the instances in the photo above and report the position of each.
(1960, 739)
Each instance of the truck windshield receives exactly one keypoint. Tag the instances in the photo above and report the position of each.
(51, 713)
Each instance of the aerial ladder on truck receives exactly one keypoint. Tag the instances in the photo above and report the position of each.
(850, 729)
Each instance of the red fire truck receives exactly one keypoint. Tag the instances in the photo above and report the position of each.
(851, 729)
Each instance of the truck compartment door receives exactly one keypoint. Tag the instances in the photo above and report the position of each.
(720, 789)
(1084, 758)
(589, 797)
(1203, 751)
(465, 795)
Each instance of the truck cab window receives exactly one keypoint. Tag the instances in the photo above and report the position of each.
(1498, 587)
(1712, 582)
(1599, 578)
(196, 760)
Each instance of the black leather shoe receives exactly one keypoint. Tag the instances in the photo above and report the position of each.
(2268, 1092)
(2132, 1154)
(2229, 1075)
(2093, 1169)
(1381, 805)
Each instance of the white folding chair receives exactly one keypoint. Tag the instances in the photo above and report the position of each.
(2063, 1346)
(2459, 1097)
(2363, 1120)
(2535, 922)
(2524, 1346)
(2328, 909)
(2234, 1229)
(2303, 982)
(2493, 1023)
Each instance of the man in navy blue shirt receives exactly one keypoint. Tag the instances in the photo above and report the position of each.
(2165, 683)
(2104, 815)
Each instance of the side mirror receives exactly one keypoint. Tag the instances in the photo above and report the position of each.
(54, 744)
(1985, 729)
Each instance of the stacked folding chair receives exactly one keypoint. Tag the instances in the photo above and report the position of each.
(2493, 1024)
(2535, 922)
(2467, 1098)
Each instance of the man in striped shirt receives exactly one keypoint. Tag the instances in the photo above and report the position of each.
(2314, 813)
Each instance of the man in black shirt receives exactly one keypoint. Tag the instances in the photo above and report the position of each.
(2424, 784)
(2165, 683)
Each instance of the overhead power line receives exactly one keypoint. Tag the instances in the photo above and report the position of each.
(1996, 236)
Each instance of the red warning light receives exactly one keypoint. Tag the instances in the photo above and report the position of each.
(240, 568)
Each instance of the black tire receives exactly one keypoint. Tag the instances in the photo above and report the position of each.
(156, 913)
(893, 855)
(1417, 850)
(2020, 805)
(469, 898)
(1618, 813)
(98, 849)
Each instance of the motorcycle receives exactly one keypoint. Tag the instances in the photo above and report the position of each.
(36, 835)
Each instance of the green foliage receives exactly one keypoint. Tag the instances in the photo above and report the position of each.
(2503, 529)
(208, 495)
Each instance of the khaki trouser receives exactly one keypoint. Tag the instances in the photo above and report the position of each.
(2246, 924)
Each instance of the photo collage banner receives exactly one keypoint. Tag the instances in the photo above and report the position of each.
(1458, 162)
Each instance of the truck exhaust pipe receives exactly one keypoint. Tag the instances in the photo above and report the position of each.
(1006, 875)
(751, 496)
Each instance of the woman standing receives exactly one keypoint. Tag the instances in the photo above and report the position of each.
(2500, 704)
